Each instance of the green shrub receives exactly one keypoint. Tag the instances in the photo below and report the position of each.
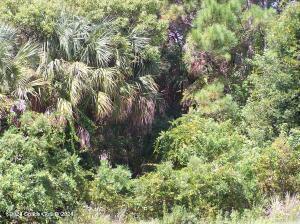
(192, 135)
(154, 193)
(37, 15)
(278, 169)
(275, 81)
(110, 187)
(37, 172)
(200, 188)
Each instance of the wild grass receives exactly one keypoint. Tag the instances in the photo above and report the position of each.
(276, 211)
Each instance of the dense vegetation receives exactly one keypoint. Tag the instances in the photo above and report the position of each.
(156, 110)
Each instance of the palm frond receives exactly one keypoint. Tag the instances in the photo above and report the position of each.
(79, 40)
(103, 50)
(128, 90)
(138, 41)
(106, 80)
(70, 33)
(148, 85)
(79, 81)
(7, 40)
(27, 84)
(98, 50)
(64, 108)
(7, 33)
(28, 52)
(143, 113)
(51, 69)
(104, 105)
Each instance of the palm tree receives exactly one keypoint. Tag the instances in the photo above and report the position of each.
(18, 78)
(83, 69)
(90, 73)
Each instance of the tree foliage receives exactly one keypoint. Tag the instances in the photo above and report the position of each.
(275, 80)
(180, 111)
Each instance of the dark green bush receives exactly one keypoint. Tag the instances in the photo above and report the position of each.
(37, 172)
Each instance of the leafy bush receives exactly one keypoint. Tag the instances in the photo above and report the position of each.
(37, 172)
(277, 210)
(278, 169)
(200, 188)
(37, 15)
(234, 174)
(137, 14)
(212, 102)
(155, 191)
(193, 135)
(275, 80)
(110, 187)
